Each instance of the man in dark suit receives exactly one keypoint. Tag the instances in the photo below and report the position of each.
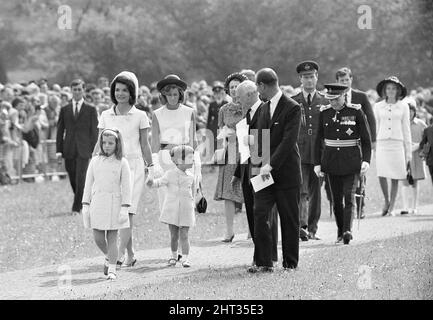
(344, 76)
(310, 101)
(77, 133)
(249, 99)
(277, 155)
(214, 108)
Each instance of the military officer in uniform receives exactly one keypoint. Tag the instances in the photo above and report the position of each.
(343, 151)
(344, 76)
(310, 101)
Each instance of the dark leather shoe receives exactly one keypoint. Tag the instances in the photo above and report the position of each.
(255, 269)
(347, 236)
(303, 234)
(291, 268)
(267, 269)
(385, 210)
(404, 212)
(228, 239)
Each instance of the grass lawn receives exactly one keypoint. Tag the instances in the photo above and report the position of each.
(36, 230)
(396, 268)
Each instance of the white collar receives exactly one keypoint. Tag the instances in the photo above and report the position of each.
(274, 100)
(305, 93)
(80, 102)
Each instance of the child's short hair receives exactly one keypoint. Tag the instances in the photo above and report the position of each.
(178, 153)
(118, 152)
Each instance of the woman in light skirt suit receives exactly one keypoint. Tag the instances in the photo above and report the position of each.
(394, 144)
(134, 125)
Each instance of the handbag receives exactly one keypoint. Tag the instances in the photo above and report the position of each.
(32, 137)
(409, 176)
(201, 205)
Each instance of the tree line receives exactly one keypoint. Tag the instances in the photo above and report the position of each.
(209, 39)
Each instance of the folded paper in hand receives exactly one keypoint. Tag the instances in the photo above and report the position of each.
(259, 184)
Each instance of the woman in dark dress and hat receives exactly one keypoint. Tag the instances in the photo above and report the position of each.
(229, 115)
(219, 100)
(393, 149)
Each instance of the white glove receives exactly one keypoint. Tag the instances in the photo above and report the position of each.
(124, 215)
(157, 169)
(364, 167)
(86, 216)
(265, 170)
(318, 171)
(249, 140)
(150, 176)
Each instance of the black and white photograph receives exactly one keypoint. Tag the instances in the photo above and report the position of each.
(216, 155)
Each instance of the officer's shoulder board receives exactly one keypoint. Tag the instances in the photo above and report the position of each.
(296, 95)
(323, 108)
(355, 106)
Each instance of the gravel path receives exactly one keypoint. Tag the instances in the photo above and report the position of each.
(79, 279)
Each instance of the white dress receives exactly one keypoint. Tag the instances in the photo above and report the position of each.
(174, 129)
(129, 126)
(107, 187)
(393, 142)
(178, 205)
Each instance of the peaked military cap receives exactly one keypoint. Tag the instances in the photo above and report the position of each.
(334, 90)
(307, 67)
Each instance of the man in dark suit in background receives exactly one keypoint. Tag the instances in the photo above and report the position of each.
(77, 133)
(310, 101)
(249, 99)
(278, 155)
(214, 108)
(344, 76)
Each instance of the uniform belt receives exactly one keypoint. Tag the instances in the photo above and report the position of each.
(342, 143)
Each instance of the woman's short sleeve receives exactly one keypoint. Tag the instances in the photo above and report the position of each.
(101, 123)
(144, 120)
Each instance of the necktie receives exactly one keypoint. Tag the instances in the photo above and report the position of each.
(268, 113)
(248, 117)
(76, 110)
(309, 99)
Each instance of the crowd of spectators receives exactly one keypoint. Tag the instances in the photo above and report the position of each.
(29, 113)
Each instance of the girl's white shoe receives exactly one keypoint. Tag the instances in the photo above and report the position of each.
(111, 276)
(186, 264)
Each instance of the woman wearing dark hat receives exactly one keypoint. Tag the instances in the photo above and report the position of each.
(133, 124)
(173, 124)
(219, 100)
(229, 115)
(393, 150)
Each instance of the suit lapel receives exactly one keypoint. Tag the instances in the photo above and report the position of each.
(255, 117)
(70, 111)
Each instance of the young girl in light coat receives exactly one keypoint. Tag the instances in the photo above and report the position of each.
(178, 205)
(107, 196)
